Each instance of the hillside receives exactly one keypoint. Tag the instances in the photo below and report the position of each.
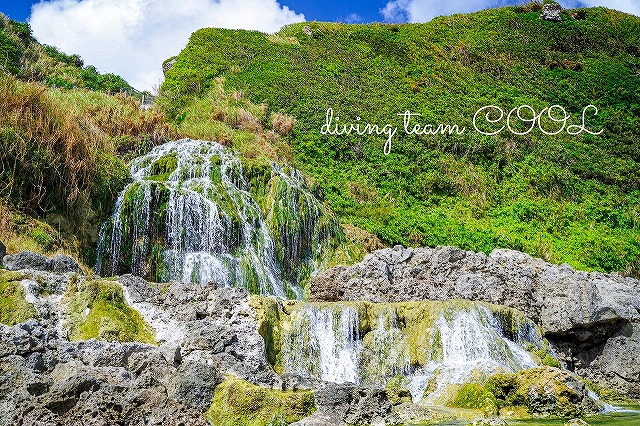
(66, 132)
(565, 198)
(29, 60)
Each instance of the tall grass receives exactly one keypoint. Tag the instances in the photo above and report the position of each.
(55, 142)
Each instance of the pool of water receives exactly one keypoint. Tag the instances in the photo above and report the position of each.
(627, 415)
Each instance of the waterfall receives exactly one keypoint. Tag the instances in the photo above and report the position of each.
(191, 215)
(473, 344)
(331, 342)
(325, 344)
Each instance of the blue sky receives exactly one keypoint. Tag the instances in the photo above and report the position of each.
(131, 38)
(368, 11)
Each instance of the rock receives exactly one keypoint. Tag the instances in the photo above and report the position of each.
(26, 260)
(551, 12)
(48, 381)
(168, 65)
(545, 391)
(307, 30)
(355, 405)
(3, 250)
(196, 384)
(576, 422)
(62, 263)
(593, 319)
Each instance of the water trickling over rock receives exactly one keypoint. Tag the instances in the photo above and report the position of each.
(193, 213)
(435, 345)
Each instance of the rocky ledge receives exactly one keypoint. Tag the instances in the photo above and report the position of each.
(592, 319)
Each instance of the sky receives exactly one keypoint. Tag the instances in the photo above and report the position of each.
(132, 38)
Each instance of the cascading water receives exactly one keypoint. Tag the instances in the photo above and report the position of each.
(331, 343)
(329, 346)
(472, 343)
(193, 214)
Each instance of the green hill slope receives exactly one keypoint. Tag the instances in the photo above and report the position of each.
(573, 198)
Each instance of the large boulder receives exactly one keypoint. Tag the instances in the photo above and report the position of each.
(593, 319)
(60, 263)
(48, 381)
(339, 404)
(26, 260)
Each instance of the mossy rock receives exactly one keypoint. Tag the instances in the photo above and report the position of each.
(164, 166)
(96, 309)
(475, 396)
(239, 403)
(543, 390)
(14, 308)
(397, 390)
(269, 327)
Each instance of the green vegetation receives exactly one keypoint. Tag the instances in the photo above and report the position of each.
(475, 396)
(564, 198)
(96, 309)
(397, 390)
(14, 308)
(240, 403)
(29, 60)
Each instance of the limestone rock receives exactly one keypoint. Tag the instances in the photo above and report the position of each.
(63, 263)
(355, 405)
(593, 319)
(551, 12)
(48, 381)
(26, 260)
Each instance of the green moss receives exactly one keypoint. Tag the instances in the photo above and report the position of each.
(475, 396)
(269, 327)
(240, 403)
(607, 394)
(543, 390)
(96, 309)
(163, 167)
(14, 308)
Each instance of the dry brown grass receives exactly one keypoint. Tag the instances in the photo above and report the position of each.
(53, 140)
(282, 124)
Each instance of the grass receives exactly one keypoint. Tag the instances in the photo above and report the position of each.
(565, 198)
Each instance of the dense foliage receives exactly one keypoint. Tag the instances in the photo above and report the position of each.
(25, 58)
(566, 198)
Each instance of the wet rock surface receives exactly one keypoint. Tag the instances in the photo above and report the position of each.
(593, 319)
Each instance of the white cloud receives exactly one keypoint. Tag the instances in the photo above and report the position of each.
(425, 10)
(132, 37)
(353, 18)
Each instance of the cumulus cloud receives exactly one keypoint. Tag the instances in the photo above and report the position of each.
(132, 37)
(425, 10)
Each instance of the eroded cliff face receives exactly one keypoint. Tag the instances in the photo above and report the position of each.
(591, 319)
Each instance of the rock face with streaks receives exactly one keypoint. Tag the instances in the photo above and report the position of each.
(592, 319)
